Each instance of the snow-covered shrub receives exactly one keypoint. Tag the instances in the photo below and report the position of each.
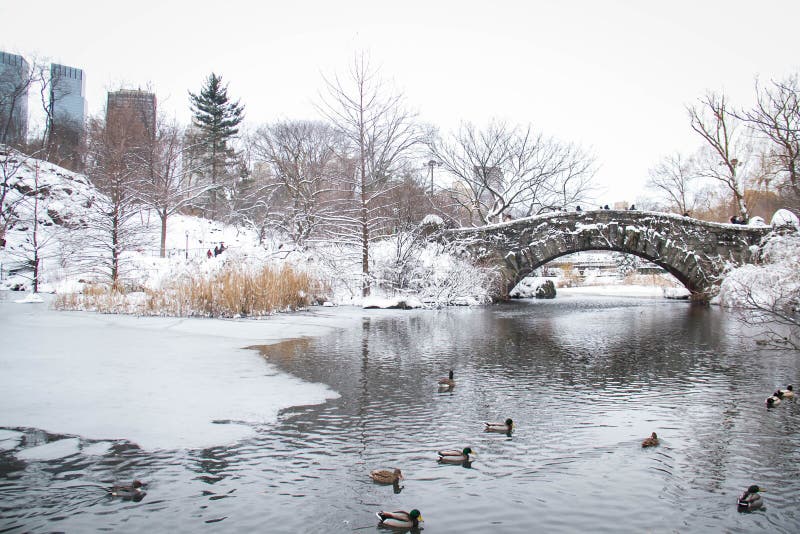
(440, 278)
(769, 294)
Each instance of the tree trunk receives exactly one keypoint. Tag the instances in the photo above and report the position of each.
(163, 216)
(115, 251)
(35, 238)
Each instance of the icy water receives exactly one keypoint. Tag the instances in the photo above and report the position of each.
(584, 378)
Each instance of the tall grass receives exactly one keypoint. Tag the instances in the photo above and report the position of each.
(230, 293)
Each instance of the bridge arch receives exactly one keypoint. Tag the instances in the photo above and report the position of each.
(528, 269)
(695, 252)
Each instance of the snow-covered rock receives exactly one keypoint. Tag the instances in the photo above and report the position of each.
(401, 303)
(432, 220)
(784, 217)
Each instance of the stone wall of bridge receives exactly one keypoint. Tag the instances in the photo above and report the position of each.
(697, 253)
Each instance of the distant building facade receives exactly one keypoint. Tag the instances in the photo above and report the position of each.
(67, 97)
(14, 83)
(132, 105)
(66, 116)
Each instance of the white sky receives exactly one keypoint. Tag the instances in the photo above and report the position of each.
(614, 76)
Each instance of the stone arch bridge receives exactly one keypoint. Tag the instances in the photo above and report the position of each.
(695, 252)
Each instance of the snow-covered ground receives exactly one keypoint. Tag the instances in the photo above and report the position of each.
(110, 377)
(66, 234)
(627, 291)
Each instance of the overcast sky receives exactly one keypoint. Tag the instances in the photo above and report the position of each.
(614, 77)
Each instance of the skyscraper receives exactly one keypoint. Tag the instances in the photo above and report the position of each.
(132, 105)
(14, 82)
(67, 98)
(67, 116)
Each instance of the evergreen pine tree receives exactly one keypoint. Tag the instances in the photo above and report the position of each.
(216, 119)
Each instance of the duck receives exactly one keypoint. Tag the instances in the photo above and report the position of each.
(774, 400)
(127, 492)
(507, 427)
(386, 476)
(787, 393)
(447, 382)
(454, 456)
(652, 441)
(400, 519)
(751, 499)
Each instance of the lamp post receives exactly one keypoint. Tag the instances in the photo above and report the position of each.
(431, 164)
(186, 250)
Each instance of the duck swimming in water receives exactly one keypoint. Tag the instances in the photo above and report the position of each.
(772, 401)
(787, 393)
(505, 428)
(750, 499)
(400, 519)
(128, 492)
(652, 441)
(454, 456)
(386, 476)
(447, 383)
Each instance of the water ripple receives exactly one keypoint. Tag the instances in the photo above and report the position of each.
(585, 380)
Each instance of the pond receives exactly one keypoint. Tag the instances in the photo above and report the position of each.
(585, 379)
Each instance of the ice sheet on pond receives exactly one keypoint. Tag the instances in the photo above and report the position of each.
(51, 451)
(9, 439)
(157, 382)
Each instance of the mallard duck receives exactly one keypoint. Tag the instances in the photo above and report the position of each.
(126, 492)
(454, 456)
(652, 441)
(774, 400)
(400, 519)
(386, 476)
(788, 392)
(447, 382)
(505, 428)
(750, 499)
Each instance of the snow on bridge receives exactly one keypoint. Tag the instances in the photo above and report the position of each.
(697, 253)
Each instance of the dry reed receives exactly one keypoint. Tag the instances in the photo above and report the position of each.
(231, 293)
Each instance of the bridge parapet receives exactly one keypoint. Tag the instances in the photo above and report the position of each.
(697, 253)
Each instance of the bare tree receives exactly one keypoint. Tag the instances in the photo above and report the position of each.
(35, 247)
(776, 118)
(678, 181)
(380, 131)
(118, 168)
(302, 157)
(774, 315)
(729, 155)
(504, 170)
(167, 189)
(11, 163)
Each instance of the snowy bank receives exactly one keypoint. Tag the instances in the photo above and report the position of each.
(766, 285)
(627, 291)
(158, 382)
